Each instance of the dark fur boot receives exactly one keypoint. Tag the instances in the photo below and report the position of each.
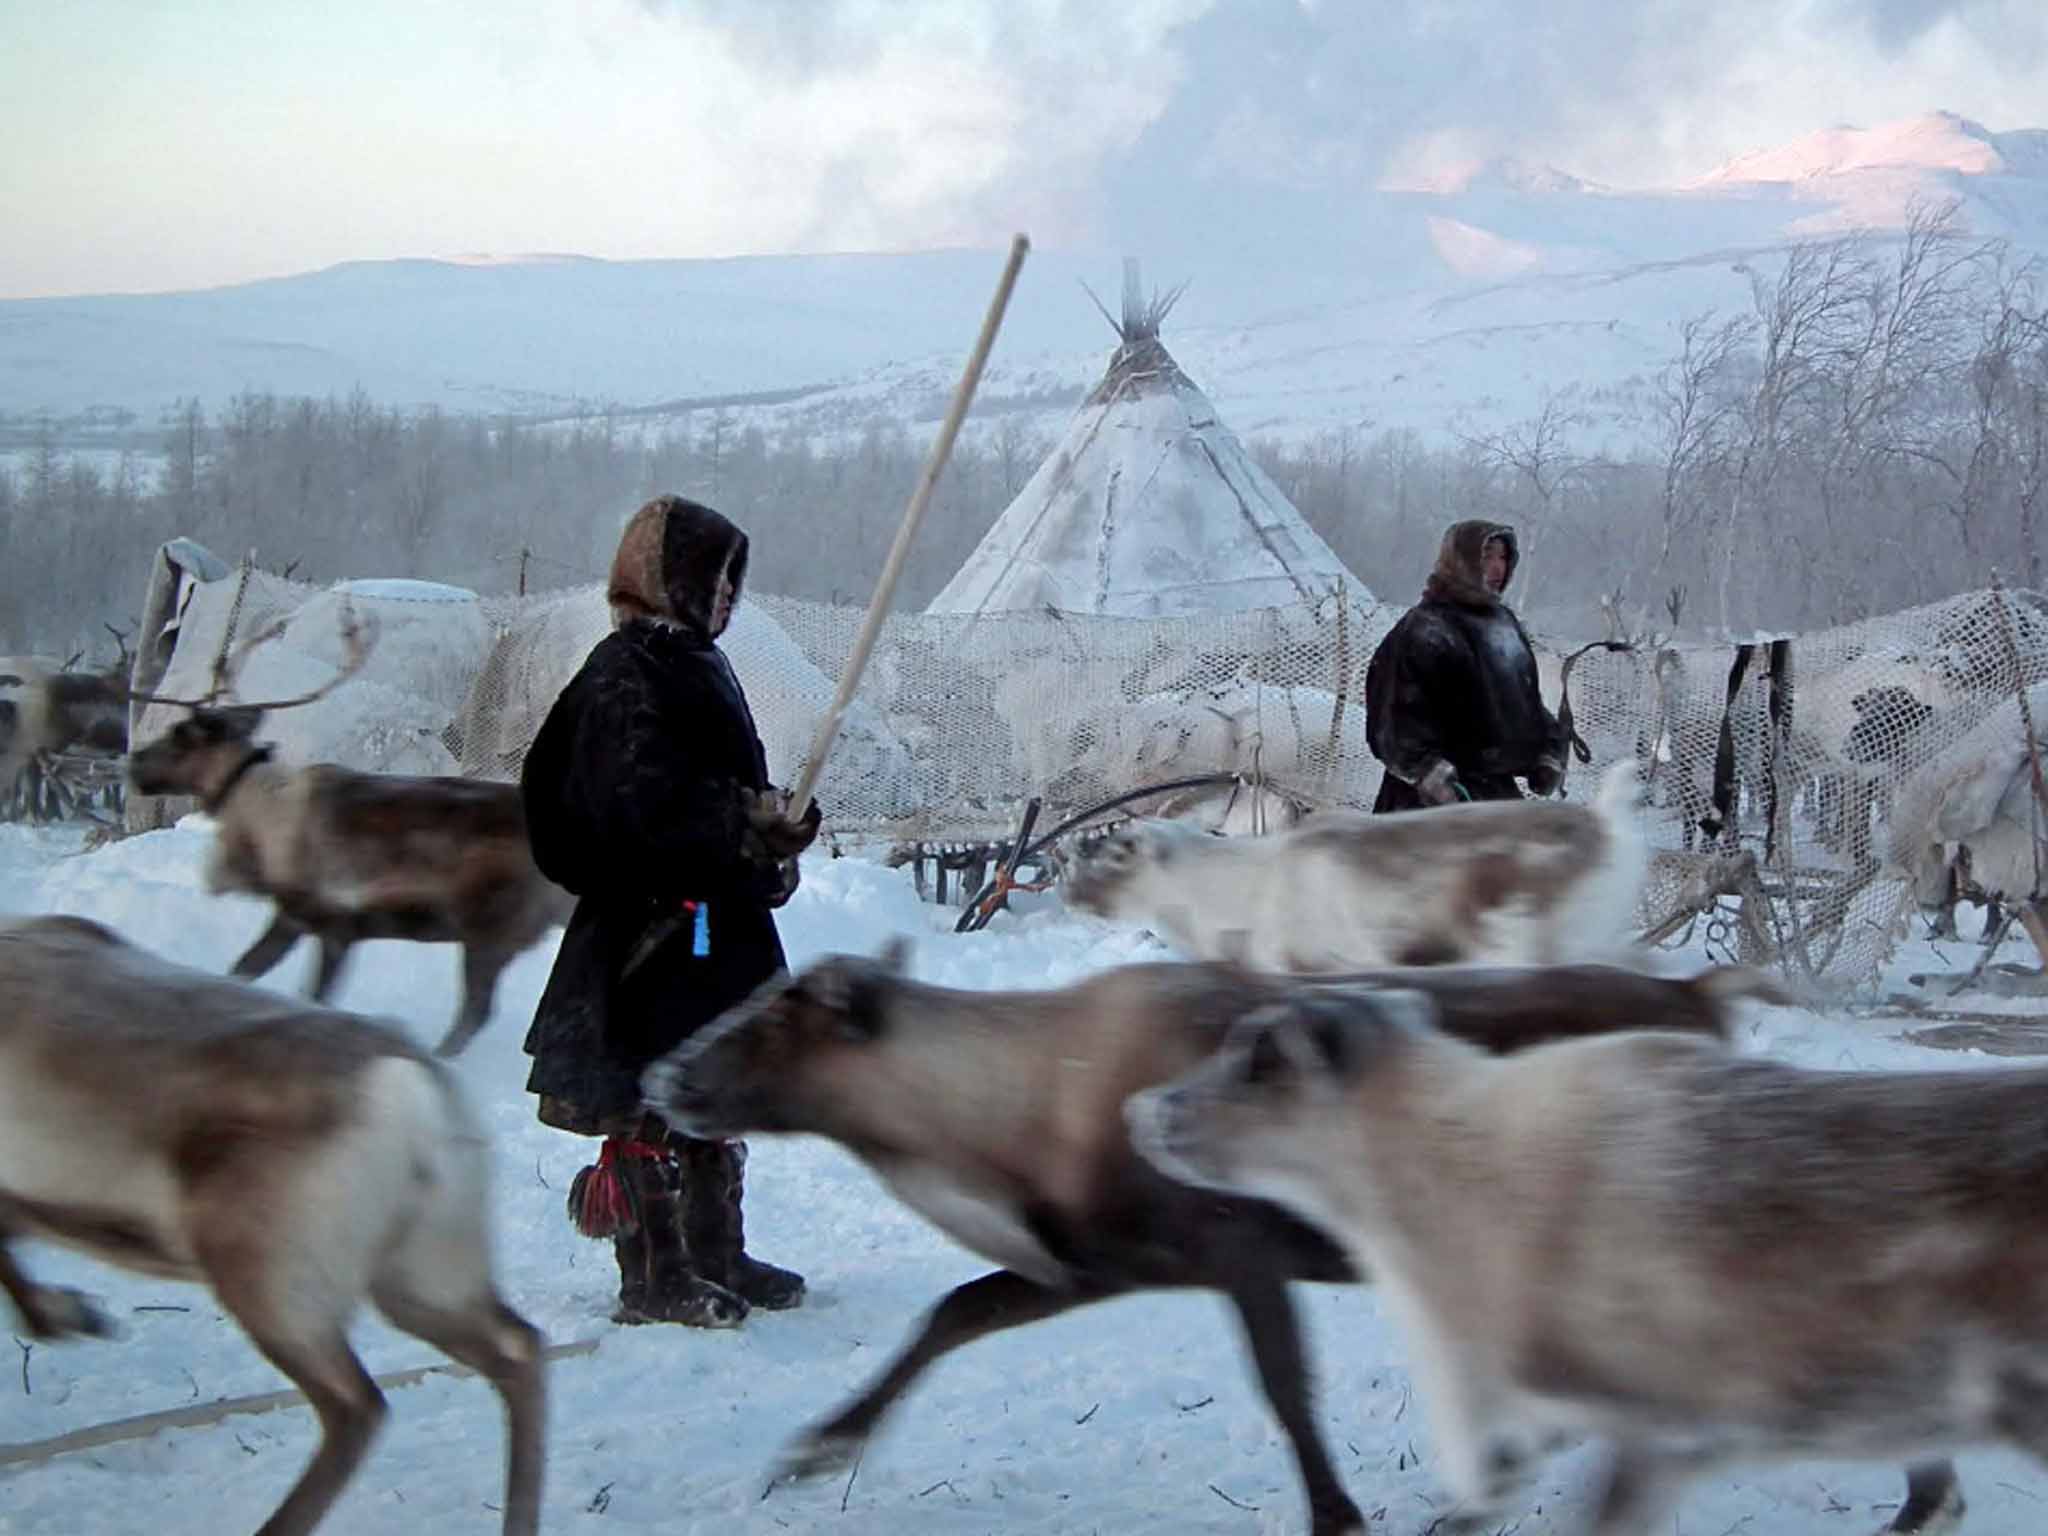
(656, 1279)
(714, 1232)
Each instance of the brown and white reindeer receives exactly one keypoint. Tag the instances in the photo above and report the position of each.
(1513, 882)
(348, 856)
(49, 712)
(296, 1159)
(998, 1116)
(1701, 1256)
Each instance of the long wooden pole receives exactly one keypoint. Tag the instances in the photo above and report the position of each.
(892, 568)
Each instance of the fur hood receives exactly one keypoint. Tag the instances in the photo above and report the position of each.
(1457, 577)
(668, 564)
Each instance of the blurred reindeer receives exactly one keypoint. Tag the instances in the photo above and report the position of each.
(56, 725)
(348, 856)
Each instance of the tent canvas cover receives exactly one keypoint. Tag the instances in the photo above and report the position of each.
(1149, 507)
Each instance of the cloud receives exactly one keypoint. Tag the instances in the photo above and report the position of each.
(941, 121)
(1185, 113)
(2006, 25)
(641, 128)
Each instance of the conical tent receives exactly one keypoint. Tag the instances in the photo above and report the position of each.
(1149, 506)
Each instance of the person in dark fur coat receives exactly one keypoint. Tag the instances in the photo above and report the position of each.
(647, 797)
(1452, 706)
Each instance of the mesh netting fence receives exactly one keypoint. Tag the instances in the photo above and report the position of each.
(1773, 770)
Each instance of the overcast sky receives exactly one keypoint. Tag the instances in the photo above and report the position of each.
(152, 144)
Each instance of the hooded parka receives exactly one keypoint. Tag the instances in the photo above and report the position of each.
(633, 793)
(1452, 691)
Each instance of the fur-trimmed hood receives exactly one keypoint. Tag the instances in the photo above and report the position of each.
(1458, 575)
(669, 561)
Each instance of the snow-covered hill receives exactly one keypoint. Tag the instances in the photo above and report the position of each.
(1463, 299)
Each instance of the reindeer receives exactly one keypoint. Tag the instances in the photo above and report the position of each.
(49, 712)
(998, 1116)
(348, 856)
(1706, 1257)
(294, 1158)
(1508, 882)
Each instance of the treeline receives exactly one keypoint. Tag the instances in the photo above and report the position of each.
(1870, 432)
(325, 489)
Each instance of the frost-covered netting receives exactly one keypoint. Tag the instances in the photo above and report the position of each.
(541, 643)
(961, 718)
(965, 717)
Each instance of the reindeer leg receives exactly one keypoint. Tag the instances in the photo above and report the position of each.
(435, 1283)
(1934, 1500)
(1642, 1485)
(994, 1302)
(49, 1311)
(503, 1348)
(1274, 1334)
(304, 1334)
(480, 970)
(2036, 924)
(2016, 980)
(333, 951)
(1951, 895)
(270, 947)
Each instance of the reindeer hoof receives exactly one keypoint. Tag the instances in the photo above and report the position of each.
(62, 1313)
(1942, 1520)
(1470, 1522)
(816, 1456)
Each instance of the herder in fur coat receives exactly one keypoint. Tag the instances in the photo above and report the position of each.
(647, 796)
(1451, 702)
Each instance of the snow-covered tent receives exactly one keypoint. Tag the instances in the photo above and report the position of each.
(1150, 506)
(871, 773)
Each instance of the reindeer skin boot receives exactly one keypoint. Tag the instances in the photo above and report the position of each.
(639, 1209)
(714, 1231)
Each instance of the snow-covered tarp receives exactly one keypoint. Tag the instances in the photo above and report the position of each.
(283, 639)
(869, 770)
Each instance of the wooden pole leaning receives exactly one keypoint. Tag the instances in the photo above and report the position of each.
(892, 567)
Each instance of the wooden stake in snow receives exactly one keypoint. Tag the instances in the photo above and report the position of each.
(892, 567)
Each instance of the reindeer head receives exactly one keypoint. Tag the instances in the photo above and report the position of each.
(779, 1060)
(1274, 1106)
(1109, 879)
(215, 741)
(197, 753)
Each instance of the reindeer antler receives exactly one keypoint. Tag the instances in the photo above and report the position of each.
(356, 641)
(356, 638)
(224, 669)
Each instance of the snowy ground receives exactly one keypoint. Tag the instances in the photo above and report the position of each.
(1137, 1416)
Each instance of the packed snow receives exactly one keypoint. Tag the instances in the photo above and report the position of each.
(1139, 1415)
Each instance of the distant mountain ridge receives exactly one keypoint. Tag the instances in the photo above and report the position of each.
(1463, 299)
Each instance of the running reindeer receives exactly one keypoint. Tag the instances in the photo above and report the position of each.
(348, 856)
(998, 1116)
(296, 1159)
